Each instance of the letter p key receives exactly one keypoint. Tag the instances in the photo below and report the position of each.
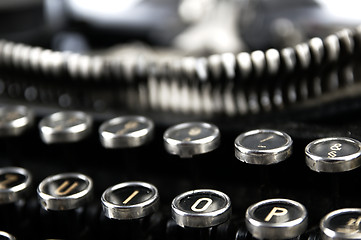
(276, 211)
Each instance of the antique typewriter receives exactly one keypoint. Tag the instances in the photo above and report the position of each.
(211, 120)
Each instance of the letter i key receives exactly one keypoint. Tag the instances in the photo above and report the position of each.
(129, 208)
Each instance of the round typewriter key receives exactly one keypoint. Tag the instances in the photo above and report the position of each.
(130, 208)
(276, 219)
(188, 139)
(6, 236)
(342, 224)
(202, 208)
(67, 126)
(14, 120)
(64, 200)
(263, 147)
(338, 154)
(65, 191)
(14, 184)
(130, 200)
(126, 132)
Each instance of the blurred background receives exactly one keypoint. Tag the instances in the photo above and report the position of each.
(181, 56)
(193, 27)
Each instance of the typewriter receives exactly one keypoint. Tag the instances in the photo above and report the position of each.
(207, 119)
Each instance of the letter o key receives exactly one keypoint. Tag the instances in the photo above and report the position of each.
(201, 208)
(205, 206)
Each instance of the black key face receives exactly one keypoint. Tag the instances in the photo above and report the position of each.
(65, 187)
(11, 179)
(263, 146)
(342, 224)
(14, 183)
(131, 195)
(333, 154)
(126, 127)
(201, 208)
(277, 212)
(65, 191)
(286, 218)
(191, 133)
(263, 141)
(62, 121)
(130, 200)
(65, 123)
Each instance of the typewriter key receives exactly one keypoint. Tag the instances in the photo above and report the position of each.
(65, 191)
(201, 208)
(263, 147)
(64, 127)
(126, 132)
(64, 199)
(130, 208)
(276, 219)
(14, 120)
(6, 236)
(338, 154)
(130, 200)
(188, 139)
(342, 224)
(14, 184)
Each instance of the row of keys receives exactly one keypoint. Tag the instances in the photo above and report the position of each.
(196, 209)
(260, 146)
